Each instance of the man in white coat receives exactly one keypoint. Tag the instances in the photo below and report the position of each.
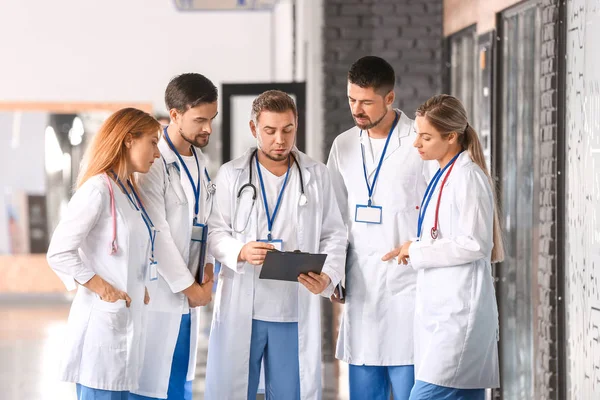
(273, 196)
(179, 194)
(379, 181)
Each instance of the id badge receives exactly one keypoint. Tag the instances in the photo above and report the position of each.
(200, 235)
(278, 243)
(153, 270)
(368, 214)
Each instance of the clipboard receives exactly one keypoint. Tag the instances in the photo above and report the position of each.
(288, 265)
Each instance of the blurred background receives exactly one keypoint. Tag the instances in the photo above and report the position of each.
(526, 71)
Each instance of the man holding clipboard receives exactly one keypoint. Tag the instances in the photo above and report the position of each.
(273, 200)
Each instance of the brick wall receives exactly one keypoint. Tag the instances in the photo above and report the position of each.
(547, 355)
(407, 33)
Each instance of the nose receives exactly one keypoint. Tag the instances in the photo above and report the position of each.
(208, 128)
(357, 108)
(156, 153)
(417, 142)
(279, 138)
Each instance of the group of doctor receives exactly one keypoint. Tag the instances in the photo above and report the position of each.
(409, 234)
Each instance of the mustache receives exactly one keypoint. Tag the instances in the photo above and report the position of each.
(361, 116)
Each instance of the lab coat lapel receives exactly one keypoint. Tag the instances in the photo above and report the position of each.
(403, 129)
(366, 156)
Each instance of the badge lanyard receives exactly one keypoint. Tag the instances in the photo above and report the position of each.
(139, 206)
(371, 188)
(429, 193)
(195, 186)
(271, 218)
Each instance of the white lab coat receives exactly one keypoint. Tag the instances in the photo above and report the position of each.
(320, 229)
(456, 318)
(104, 341)
(378, 315)
(170, 202)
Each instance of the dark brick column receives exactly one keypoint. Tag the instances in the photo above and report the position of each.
(407, 33)
(550, 373)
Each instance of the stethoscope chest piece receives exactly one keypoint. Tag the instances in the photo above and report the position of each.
(434, 233)
(211, 188)
(303, 200)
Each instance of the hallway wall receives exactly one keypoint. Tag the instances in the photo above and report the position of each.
(583, 200)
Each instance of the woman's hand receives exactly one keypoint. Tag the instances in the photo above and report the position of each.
(106, 291)
(400, 252)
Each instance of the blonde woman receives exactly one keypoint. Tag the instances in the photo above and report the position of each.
(458, 237)
(103, 247)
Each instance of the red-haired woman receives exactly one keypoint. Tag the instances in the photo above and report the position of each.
(103, 246)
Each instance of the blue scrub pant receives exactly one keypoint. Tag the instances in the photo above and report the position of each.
(86, 393)
(179, 388)
(427, 391)
(277, 342)
(369, 382)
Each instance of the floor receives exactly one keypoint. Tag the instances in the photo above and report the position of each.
(31, 332)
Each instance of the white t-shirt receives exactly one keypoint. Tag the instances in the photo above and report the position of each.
(277, 301)
(377, 146)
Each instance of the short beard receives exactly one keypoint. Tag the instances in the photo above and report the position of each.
(372, 124)
(283, 157)
(193, 142)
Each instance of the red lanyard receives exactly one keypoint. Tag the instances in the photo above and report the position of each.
(434, 230)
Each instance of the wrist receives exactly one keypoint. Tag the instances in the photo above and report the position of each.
(189, 290)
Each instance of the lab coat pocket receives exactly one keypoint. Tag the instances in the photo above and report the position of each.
(175, 195)
(105, 346)
(403, 193)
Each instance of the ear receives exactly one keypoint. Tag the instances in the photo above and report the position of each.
(453, 137)
(173, 113)
(389, 98)
(128, 140)
(253, 128)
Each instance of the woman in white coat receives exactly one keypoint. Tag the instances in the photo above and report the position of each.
(458, 237)
(103, 247)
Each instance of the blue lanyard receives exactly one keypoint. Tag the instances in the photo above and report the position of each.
(429, 193)
(195, 187)
(139, 207)
(371, 188)
(177, 166)
(271, 218)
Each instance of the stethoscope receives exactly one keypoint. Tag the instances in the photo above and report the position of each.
(427, 198)
(210, 186)
(249, 186)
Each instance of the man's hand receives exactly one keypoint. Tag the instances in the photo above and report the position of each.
(400, 252)
(316, 283)
(255, 252)
(106, 291)
(199, 295)
(335, 297)
(146, 296)
(209, 273)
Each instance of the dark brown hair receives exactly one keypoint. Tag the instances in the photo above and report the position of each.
(275, 101)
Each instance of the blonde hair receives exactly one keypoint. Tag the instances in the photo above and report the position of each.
(447, 114)
(107, 150)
